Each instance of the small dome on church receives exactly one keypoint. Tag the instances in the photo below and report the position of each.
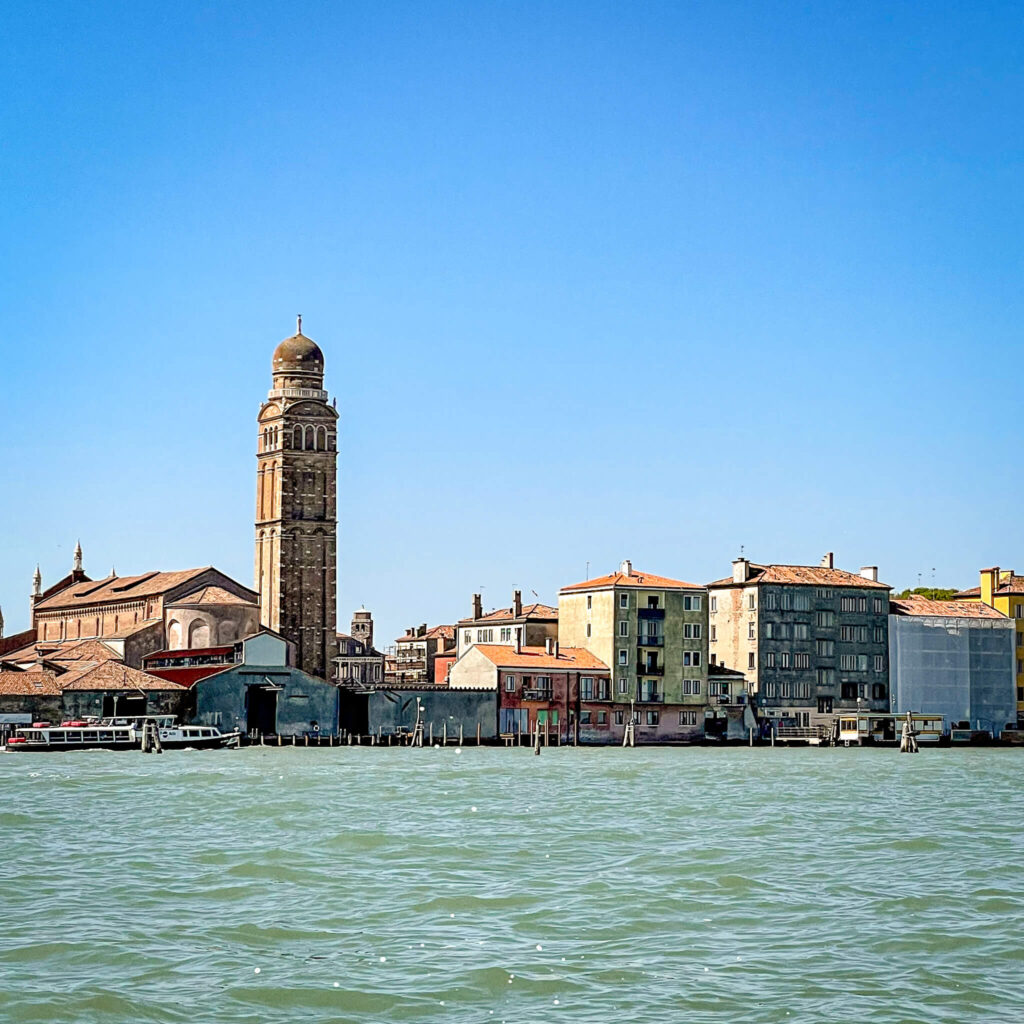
(298, 353)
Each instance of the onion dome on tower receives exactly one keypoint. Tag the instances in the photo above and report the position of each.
(299, 358)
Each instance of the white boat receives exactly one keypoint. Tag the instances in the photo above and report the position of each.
(119, 734)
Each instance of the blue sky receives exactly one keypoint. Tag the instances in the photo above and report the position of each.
(593, 281)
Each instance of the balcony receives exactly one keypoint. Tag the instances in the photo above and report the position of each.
(650, 641)
(651, 697)
(650, 613)
(535, 694)
(650, 670)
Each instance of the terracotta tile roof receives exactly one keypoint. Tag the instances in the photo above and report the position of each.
(805, 575)
(538, 658)
(435, 632)
(212, 595)
(530, 611)
(948, 609)
(28, 684)
(113, 675)
(60, 651)
(120, 588)
(135, 627)
(1011, 585)
(714, 669)
(962, 595)
(641, 580)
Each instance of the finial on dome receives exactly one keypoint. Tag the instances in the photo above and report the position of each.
(78, 556)
(298, 327)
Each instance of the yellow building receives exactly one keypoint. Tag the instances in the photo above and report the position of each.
(1003, 590)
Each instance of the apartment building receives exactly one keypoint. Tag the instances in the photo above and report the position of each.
(652, 632)
(812, 640)
(529, 625)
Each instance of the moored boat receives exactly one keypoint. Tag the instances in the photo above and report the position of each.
(119, 734)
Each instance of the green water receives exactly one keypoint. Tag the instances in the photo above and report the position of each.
(492, 885)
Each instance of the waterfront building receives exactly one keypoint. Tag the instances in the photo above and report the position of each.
(447, 715)
(557, 688)
(530, 625)
(296, 506)
(954, 658)
(359, 663)
(652, 631)
(812, 640)
(1003, 590)
(415, 653)
(729, 715)
(262, 694)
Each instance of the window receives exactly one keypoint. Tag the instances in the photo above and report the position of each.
(878, 691)
(800, 630)
(691, 658)
(862, 634)
(691, 687)
(826, 676)
(802, 601)
(623, 685)
(479, 636)
(862, 663)
(691, 631)
(862, 604)
(825, 648)
(786, 600)
(544, 683)
(619, 717)
(1018, 611)
(847, 604)
(801, 661)
(510, 684)
(751, 601)
(751, 631)
(770, 600)
(623, 628)
(602, 718)
(652, 717)
(590, 602)
(848, 662)
(769, 660)
(652, 601)
(879, 606)
(848, 691)
(879, 634)
(847, 633)
(826, 619)
(601, 689)
(691, 602)
(688, 718)
(506, 634)
(623, 601)
(586, 687)
(823, 592)
(714, 635)
(623, 656)
(784, 659)
(750, 660)
(588, 629)
(467, 637)
(879, 662)
(584, 718)
(714, 604)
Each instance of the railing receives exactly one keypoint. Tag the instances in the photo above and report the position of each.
(651, 641)
(535, 694)
(651, 670)
(650, 613)
(651, 697)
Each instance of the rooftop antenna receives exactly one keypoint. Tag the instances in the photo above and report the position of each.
(587, 574)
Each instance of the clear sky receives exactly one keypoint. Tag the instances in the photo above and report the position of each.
(593, 281)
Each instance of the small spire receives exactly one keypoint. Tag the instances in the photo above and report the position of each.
(298, 327)
(37, 582)
(1, 623)
(78, 556)
(113, 572)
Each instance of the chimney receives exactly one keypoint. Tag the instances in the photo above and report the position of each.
(478, 607)
(626, 568)
(519, 641)
(740, 570)
(829, 561)
(517, 603)
(989, 582)
(869, 572)
(422, 630)
(556, 648)
(549, 646)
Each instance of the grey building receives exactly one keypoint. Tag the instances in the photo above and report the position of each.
(812, 640)
(359, 663)
(262, 694)
(444, 712)
(954, 658)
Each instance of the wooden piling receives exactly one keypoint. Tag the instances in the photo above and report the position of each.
(460, 733)
(478, 734)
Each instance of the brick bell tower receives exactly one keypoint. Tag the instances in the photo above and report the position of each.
(296, 506)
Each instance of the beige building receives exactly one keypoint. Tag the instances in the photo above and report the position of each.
(359, 663)
(529, 625)
(415, 654)
(296, 513)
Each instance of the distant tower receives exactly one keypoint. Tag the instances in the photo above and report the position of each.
(296, 506)
(37, 592)
(362, 628)
(1, 623)
(78, 557)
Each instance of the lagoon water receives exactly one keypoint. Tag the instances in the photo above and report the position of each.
(359, 884)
